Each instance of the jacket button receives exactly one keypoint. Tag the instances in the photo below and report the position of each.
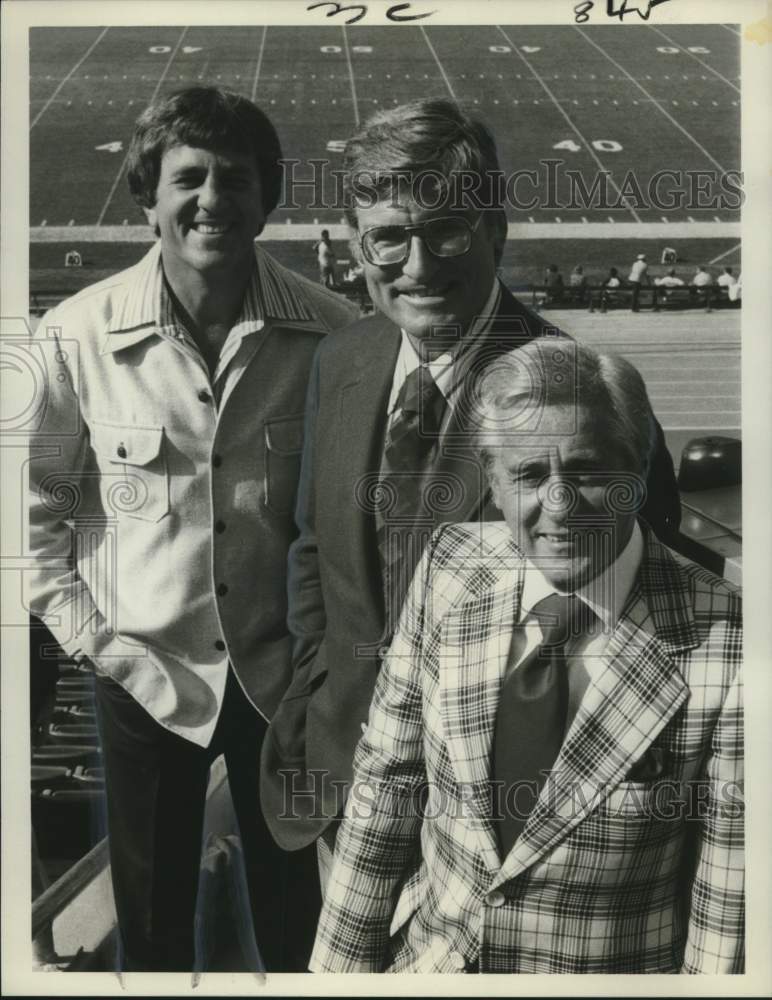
(495, 898)
(219, 644)
(219, 527)
(204, 396)
(457, 960)
(122, 453)
(222, 589)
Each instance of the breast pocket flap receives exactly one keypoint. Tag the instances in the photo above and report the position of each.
(127, 445)
(284, 435)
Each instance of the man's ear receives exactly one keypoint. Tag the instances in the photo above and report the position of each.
(499, 225)
(152, 219)
(355, 248)
(495, 489)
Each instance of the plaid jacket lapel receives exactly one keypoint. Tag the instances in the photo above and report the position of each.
(624, 710)
(475, 641)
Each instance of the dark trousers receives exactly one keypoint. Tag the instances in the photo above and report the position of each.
(156, 786)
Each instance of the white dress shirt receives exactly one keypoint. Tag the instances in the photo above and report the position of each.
(606, 595)
(441, 368)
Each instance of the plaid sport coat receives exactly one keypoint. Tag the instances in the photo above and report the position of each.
(632, 859)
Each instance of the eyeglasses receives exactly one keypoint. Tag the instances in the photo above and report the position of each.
(449, 236)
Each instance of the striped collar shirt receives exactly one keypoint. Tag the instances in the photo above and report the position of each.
(146, 309)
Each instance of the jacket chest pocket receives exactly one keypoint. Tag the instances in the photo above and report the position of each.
(134, 478)
(283, 450)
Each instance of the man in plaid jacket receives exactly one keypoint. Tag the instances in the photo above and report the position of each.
(631, 859)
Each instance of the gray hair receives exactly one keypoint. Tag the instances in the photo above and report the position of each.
(512, 390)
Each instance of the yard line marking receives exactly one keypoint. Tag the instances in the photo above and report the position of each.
(654, 101)
(702, 62)
(730, 30)
(351, 76)
(259, 62)
(439, 64)
(122, 167)
(571, 125)
(724, 254)
(515, 231)
(77, 65)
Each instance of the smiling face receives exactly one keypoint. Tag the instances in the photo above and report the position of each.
(552, 486)
(208, 211)
(426, 292)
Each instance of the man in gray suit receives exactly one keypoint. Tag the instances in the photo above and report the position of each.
(387, 455)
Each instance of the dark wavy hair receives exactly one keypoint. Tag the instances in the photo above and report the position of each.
(209, 118)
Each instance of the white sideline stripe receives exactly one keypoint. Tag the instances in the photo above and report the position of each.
(152, 98)
(351, 76)
(654, 101)
(724, 254)
(439, 64)
(77, 65)
(275, 232)
(731, 30)
(571, 124)
(259, 62)
(692, 54)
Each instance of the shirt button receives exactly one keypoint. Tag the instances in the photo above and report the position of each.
(217, 461)
(457, 960)
(495, 898)
(122, 453)
(222, 589)
(219, 527)
(204, 396)
(219, 645)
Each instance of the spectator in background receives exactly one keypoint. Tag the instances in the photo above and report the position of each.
(702, 283)
(578, 284)
(553, 281)
(669, 280)
(702, 278)
(609, 295)
(726, 279)
(669, 255)
(325, 255)
(636, 278)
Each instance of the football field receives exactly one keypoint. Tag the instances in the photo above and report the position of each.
(619, 102)
(622, 103)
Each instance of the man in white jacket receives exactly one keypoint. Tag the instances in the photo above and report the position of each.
(163, 471)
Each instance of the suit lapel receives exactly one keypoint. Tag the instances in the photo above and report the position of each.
(624, 710)
(475, 643)
(358, 436)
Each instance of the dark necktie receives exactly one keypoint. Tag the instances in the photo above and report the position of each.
(531, 720)
(409, 450)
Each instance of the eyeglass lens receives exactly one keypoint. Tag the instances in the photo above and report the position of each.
(443, 237)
